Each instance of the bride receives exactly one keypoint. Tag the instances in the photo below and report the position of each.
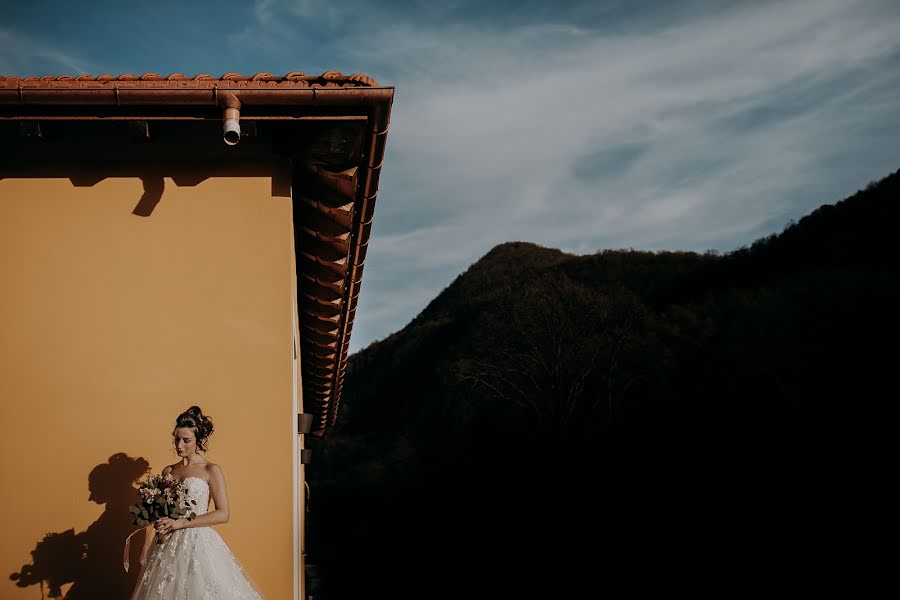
(193, 560)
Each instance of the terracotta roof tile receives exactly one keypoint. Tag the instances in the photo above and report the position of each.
(262, 79)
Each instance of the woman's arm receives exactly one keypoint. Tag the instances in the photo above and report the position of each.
(218, 516)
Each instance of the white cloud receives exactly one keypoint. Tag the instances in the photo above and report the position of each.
(488, 125)
(22, 54)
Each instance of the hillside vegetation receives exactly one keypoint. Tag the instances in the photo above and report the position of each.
(552, 420)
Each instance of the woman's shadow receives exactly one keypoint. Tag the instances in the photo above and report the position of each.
(92, 559)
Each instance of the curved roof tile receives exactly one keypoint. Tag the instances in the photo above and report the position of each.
(262, 79)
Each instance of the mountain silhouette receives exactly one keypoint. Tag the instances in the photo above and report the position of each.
(552, 421)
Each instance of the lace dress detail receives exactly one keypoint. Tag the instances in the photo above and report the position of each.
(193, 563)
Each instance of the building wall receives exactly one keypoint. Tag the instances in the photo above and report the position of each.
(114, 323)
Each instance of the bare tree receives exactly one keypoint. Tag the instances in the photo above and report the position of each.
(561, 354)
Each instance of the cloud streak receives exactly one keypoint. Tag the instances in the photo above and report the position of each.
(22, 54)
(531, 134)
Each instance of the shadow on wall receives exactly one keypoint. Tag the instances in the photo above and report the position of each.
(92, 559)
(153, 179)
(152, 176)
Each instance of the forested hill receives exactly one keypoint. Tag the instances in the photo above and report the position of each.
(668, 408)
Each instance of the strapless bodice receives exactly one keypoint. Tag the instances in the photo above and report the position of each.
(197, 490)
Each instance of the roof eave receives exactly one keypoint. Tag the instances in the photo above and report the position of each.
(352, 91)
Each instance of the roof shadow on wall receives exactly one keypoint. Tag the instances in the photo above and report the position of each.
(153, 191)
(153, 175)
(91, 560)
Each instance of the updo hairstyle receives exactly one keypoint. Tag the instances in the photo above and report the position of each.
(202, 426)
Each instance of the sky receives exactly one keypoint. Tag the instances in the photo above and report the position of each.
(581, 125)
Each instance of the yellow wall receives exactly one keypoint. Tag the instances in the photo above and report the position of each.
(110, 325)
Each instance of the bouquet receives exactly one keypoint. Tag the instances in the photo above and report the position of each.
(161, 496)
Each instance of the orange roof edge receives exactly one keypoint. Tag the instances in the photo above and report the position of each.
(294, 78)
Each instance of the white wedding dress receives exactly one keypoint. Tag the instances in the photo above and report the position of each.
(193, 563)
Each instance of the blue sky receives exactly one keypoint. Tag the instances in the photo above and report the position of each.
(577, 125)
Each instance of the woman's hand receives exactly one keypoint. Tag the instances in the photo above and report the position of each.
(167, 525)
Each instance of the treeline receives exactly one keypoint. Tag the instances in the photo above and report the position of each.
(550, 420)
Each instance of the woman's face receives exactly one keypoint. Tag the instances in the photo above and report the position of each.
(185, 441)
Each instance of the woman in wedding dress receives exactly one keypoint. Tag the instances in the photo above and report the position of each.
(193, 562)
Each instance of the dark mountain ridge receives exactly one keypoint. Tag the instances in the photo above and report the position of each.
(668, 409)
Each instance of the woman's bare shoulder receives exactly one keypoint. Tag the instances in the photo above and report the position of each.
(212, 470)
